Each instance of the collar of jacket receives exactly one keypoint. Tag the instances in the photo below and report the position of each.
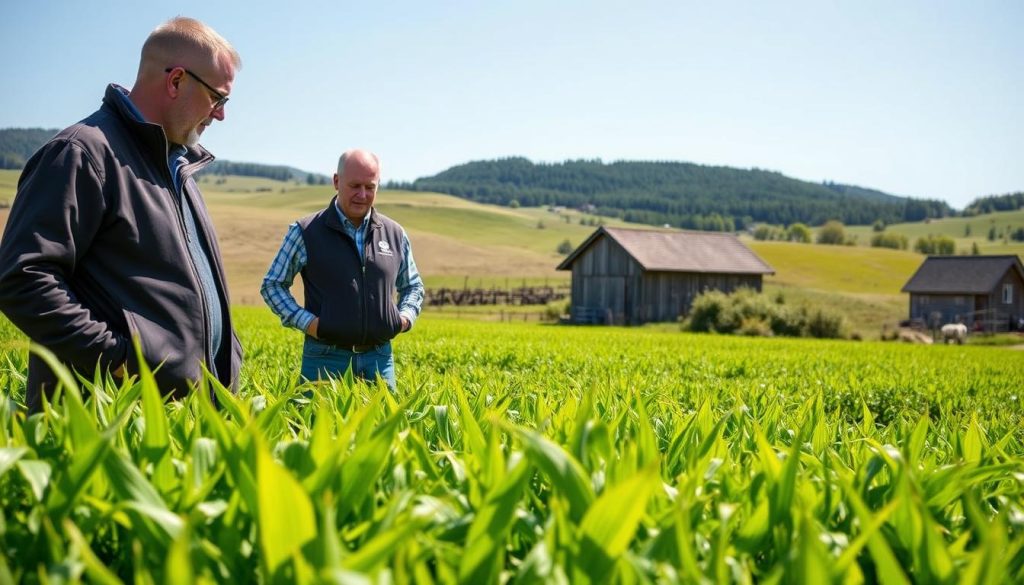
(152, 136)
(334, 222)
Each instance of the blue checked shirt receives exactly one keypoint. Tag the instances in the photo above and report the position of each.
(291, 259)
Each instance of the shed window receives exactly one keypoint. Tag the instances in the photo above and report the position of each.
(1008, 294)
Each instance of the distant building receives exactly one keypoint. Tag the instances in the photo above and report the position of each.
(984, 292)
(629, 276)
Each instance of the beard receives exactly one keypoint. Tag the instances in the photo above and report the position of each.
(192, 138)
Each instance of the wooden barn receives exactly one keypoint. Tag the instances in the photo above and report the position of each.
(984, 292)
(629, 276)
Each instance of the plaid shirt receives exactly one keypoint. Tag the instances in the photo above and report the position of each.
(291, 259)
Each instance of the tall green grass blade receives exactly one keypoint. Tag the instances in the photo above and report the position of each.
(887, 565)
(612, 521)
(371, 555)
(73, 481)
(94, 568)
(286, 518)
(563, 471)
(179, 569)
(9, 456)
(483, 555)
(156, 435)
(37, 474)
(360, 470)
(974, 441)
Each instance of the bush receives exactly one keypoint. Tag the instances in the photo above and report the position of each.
(755, 327)
(747, 312)
(889, 240)
(832, 233)
(765, 232)
(706, 311)
(798, 232)
(826, 324)
(935, 245)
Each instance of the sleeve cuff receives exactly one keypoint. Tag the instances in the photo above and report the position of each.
(303, 319)
(410, 316)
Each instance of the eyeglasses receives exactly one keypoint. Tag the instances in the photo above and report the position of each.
(220, 100)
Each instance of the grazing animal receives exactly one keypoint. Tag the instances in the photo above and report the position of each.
(954, 332)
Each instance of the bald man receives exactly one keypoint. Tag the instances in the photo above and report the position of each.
(109, 238)
(360, 280)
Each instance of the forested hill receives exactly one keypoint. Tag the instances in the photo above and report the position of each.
(677, 193)
(18, 144)
(277, 172)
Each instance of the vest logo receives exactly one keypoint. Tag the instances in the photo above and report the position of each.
(385, 248)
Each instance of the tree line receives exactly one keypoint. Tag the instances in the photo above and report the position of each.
(17, 145)
(681, 194)
(993, 203)
(676, 193)
(276, 172)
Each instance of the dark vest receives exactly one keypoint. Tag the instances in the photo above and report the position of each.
(354, 298)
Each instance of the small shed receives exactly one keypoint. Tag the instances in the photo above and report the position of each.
(633, 276)
(983, 292)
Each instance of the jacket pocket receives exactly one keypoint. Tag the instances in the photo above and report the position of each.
(336, 325)
(394, 320)
(173, 360)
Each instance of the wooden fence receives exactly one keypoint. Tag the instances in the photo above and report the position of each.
(524, 295)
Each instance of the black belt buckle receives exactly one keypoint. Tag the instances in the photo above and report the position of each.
(360, 348)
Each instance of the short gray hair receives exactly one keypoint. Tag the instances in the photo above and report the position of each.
(188, 37)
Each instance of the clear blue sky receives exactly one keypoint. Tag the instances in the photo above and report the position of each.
(918, 98)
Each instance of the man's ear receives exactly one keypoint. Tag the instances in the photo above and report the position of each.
(173, 83)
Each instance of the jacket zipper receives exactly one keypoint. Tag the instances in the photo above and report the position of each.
(195, 272)
(362, 262)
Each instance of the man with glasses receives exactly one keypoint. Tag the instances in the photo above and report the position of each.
(109, 241)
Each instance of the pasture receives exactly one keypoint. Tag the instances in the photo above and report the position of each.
(965, 232)
(526, 452)
(531, 453)
(460, 243)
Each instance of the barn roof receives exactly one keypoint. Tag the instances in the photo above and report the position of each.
(961, 274)
(679, 251)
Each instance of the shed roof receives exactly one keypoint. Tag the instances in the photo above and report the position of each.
(679, 251)
(961, 274)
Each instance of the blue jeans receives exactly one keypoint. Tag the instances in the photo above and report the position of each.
(321, 360)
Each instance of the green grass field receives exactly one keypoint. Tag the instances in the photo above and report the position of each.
(530, 453)
(965, 231)
(520, 452)
(460, 243)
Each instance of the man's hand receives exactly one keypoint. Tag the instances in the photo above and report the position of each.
(313, 327)
(405, 324)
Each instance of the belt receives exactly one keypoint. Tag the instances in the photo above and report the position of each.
(358, 348)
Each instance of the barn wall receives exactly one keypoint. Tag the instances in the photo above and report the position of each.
(1015, 308)
(951, 308)
(669, 295)
(609, 286)
(605, 279)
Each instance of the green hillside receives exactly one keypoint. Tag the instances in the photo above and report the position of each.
(18, 144)
(458, 242)
(8, 185)
(965, 231)
(676, 193)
